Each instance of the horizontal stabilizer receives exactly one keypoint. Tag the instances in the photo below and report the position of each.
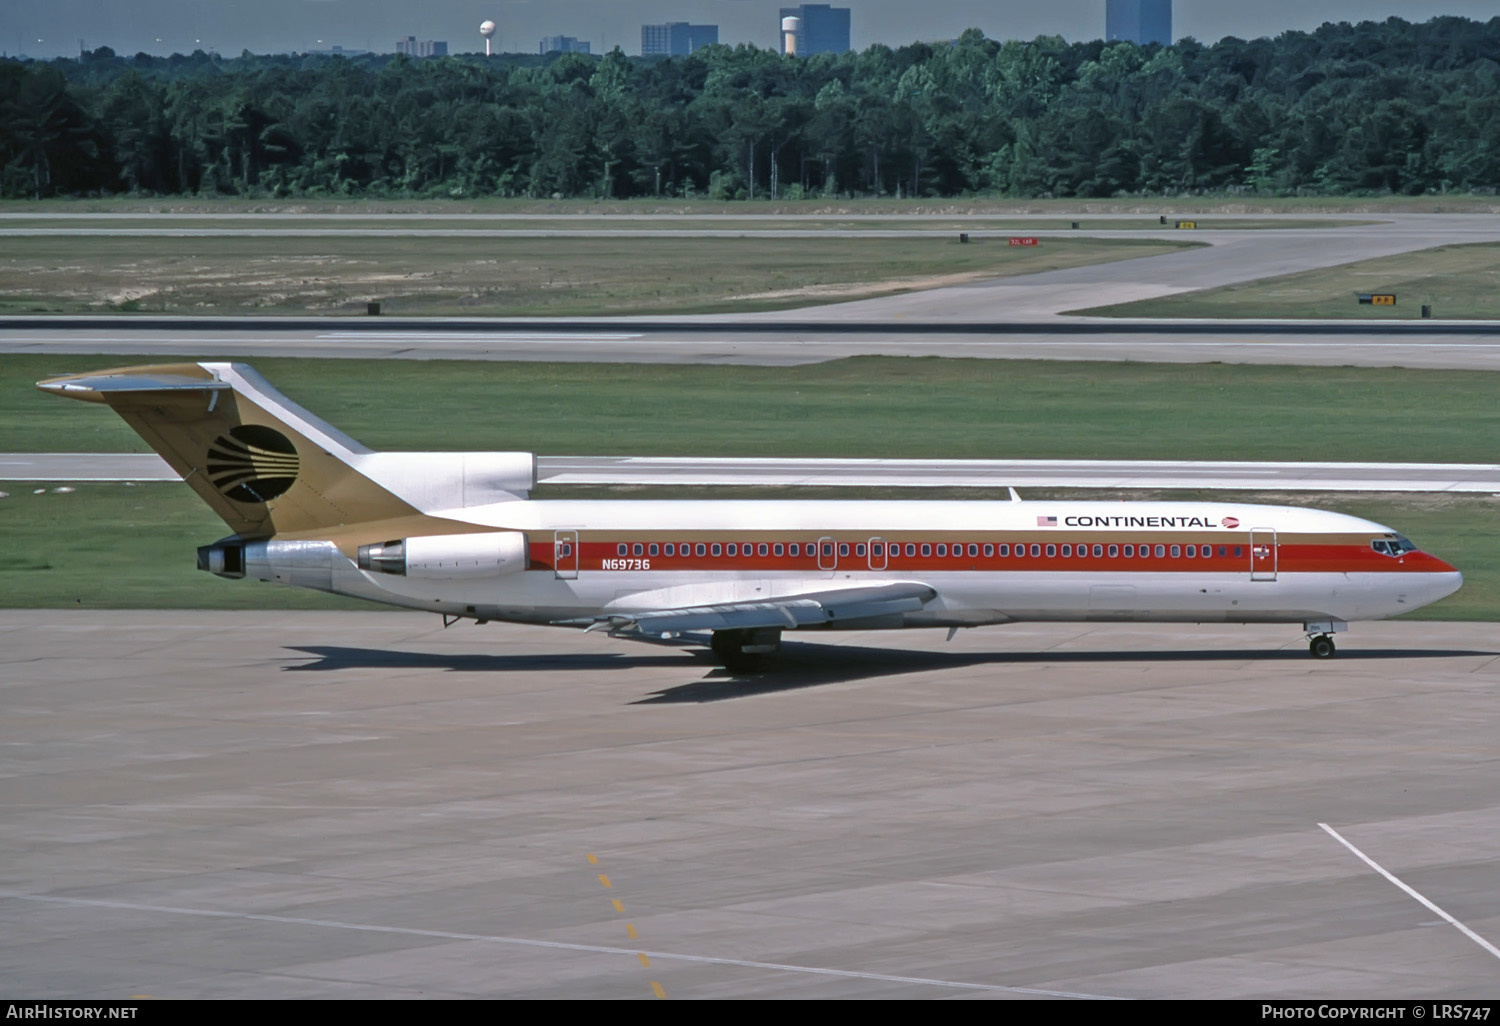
(97, 387)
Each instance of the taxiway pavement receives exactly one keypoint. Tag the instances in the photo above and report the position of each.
(261, 804)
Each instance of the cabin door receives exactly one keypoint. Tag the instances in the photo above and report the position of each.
(565, 555)
(1262, 554)
(828, 558)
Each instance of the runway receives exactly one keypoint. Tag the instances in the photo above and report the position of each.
(1434, 345)
(875, 473)
(367, 806)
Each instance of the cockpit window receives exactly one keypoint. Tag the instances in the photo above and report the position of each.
(1393, 545)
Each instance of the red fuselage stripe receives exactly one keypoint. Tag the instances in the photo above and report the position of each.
(1235, 556)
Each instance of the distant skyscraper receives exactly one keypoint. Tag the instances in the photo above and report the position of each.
(563, 44)
(676, 38)
(824, 29)
(413, 47)
(1138, 21)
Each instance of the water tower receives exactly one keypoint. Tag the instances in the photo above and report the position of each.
(791, 28)
(486, 29)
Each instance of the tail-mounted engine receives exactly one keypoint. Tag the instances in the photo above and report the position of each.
(447, 556)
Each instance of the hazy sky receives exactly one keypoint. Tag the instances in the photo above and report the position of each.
(49, 28)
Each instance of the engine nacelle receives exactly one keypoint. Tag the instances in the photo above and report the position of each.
(304, 564)
(446, 557)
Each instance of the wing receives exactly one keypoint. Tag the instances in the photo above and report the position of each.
(789, 612)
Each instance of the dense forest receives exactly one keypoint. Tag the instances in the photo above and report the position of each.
(1372, 107)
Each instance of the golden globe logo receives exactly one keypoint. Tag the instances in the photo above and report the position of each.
(252, 463)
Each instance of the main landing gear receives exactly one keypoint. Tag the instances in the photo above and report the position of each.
(1320, 637)
(743, 650)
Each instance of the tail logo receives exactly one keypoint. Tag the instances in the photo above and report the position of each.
(252, 463)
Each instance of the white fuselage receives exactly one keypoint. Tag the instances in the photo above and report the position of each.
(989, 562)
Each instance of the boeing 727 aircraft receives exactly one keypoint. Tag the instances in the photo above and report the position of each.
(456, 534)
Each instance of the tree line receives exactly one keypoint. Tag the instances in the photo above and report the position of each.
(1348, 108)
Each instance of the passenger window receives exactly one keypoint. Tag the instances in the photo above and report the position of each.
(1003, 549)
(1130, 552)
(942, 549)
(973, 550)
(1051, 550)
(761, 549)
(828, 548)
(1067, 550)
(859, 549)
(669, 548)
(777, 548)
(1176, 551)
(843, 548)
(700, 550)
(652, 549)
(911, 550)
(1192, 552)
(1036, 550)
(926, 549)
(1239, 551)
(622, 549)
(1221, 550)
(1098, 551)
(1206, 551)
(1161, 550)
(1114, 550)
(717, 549)
(730, 549)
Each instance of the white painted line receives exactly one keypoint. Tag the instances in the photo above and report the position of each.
(472, 336)
(1486, 945)
(557, 945)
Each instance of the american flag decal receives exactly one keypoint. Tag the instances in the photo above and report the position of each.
(1046, 521)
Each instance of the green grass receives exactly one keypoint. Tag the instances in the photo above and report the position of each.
(719, 221)
(1201, 204)
(118, 546)
(868, 406)
(1458, 282)
(506, 276)
(122, 546)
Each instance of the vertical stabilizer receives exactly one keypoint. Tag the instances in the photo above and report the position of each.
(262, 463)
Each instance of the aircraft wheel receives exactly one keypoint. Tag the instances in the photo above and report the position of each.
(1321, 647)
(729, 648)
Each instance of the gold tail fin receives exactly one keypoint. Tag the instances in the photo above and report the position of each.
(264, 464)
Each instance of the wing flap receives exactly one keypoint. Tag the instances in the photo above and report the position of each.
(808, 609)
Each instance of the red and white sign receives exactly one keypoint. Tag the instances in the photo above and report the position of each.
(1230, 521)
(1023, 240)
